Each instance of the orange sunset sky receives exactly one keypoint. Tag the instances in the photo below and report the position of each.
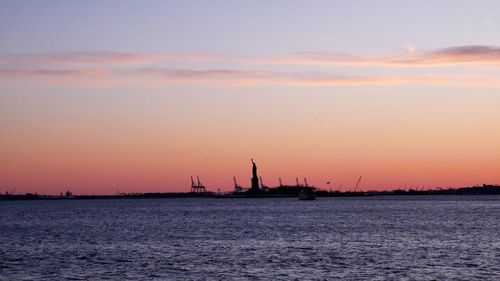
(97, 98)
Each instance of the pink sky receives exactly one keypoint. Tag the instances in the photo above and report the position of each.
(95, 98)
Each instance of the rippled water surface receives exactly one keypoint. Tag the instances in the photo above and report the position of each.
(376, 238)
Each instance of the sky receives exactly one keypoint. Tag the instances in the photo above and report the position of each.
(135, 96)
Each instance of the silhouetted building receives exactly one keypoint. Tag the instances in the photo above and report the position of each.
(255, 179)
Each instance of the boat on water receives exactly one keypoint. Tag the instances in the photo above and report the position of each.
(307, 194)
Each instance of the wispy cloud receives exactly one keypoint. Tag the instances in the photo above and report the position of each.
(113, 67)
(413, 57)
(41, 73)
(456, 55)
(480, 55)
(229, 77)
(76, 58)
(113, 58)
(238, 77)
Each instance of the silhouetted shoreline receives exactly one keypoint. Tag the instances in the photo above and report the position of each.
(259, 190)
(276, 192)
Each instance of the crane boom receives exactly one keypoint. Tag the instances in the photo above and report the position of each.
(357, 184)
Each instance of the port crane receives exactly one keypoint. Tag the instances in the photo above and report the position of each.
(197, 187)
(357, 184)
(237, 187)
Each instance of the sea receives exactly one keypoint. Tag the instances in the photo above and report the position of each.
(360, 238)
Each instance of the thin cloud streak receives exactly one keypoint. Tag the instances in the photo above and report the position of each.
(114, 58)
(460, 55)
(479, 55)
(41, 73)
(242, 77)
(232, 77)
(64, 58)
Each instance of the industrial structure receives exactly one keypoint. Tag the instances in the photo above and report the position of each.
(197, 187)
